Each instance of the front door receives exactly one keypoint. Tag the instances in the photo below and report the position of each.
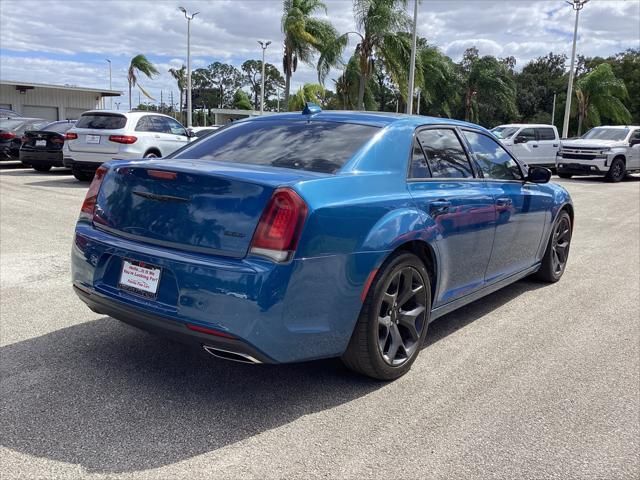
(521, 208)
(459, 211)
(525, 146)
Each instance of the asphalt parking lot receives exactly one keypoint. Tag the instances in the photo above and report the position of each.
(535, 381)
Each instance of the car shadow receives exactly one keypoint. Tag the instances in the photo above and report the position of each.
(115, 399)
(67, 182)
(597, 179)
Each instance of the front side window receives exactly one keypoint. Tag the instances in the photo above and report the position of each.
(175, 127)
(445, 155)
(317, 146)
(546, 134)
(492, 158)
(526, 135)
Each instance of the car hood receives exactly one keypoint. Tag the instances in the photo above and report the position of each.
(589, 143)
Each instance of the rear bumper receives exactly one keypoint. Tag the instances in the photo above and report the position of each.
(49, 158)
(84, 166)
(278, 313)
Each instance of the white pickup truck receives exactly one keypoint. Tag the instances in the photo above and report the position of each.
(533, 144)
(612, 151)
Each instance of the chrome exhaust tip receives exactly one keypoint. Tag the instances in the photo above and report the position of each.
(228, 355)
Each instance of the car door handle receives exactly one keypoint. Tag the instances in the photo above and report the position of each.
(157, 136)
(534, 146)
(439, 207)
(555, 144)
(504, 202)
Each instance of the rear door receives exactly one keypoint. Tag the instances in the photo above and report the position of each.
(548, 144)
(93, 130)
(457, 206)
(525, 146)
(521, 208)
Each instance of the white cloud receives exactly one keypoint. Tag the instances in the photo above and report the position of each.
(67, 42)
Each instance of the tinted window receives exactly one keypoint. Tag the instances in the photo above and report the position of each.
(635, 135)
(527, 134)
(97, 121)
(174, 127)
(58, 127)
(419, 167)
(493, 160)
(546, 134)
(445, 154)
(504, 132)
(144, 124)
(317, 146)
(601, 133)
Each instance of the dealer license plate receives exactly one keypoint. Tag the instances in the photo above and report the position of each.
(139, 278)
(93, 138)
(41, 143)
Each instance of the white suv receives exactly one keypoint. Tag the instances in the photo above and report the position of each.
(612, 151)
(530, 143)
(103, 135)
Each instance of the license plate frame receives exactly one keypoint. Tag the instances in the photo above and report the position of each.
(140, 278)
(93, 139)
(41, 143)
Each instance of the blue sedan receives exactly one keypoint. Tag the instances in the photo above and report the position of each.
(296, 237)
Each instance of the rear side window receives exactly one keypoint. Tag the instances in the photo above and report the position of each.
(445, 155)
(99, 121)
(316, 146)
(493, 159)
(546, 134)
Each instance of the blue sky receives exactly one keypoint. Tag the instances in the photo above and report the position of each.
(70, 46)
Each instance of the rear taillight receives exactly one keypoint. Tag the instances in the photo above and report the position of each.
(70, 136)
(89, 204)
(126, 139)
(280, 226)
(57, 139)
(7, 135)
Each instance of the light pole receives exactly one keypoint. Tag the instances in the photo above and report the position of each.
(577, 5)
(412, 66)
(418, 102)
(189, 18)
(264, 46)
(553, 110)
(110, 98)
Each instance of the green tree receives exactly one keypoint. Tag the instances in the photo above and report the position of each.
(241, 100)
(253, 77)
(536, 85)
(440, 83)
(380, 23)
(305, 36)
(140, 64)
(599, 94)
(180, 76)
(489, 89)
(309, 92)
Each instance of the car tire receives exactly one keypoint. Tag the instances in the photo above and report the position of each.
(151, 155)
(565, 175)
(617, 171)
(556, 255)
(385, 347)
(41, 168)
(82, 175)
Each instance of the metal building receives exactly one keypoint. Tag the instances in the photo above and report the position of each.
(52, 102)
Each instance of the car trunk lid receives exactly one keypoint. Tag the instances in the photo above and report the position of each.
(40, 139)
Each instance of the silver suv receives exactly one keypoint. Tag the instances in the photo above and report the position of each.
(612, 151)
(103, 135)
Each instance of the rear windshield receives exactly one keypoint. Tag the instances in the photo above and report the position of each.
(97, 121)
(315, 146)
(58, 127)
(599, 133)
(8, 124)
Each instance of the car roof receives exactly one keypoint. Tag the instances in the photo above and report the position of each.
(125, 113)
(377, 119)
(617, 126)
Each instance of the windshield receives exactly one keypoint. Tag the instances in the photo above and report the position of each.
(58, 127)
(316, 146)
(504, 132)
(599, 133)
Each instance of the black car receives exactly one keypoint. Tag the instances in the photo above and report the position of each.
(11, 131)
(42, 149)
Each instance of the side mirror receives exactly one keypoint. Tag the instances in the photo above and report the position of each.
(190, 133)
(539, 175)
(520, 140)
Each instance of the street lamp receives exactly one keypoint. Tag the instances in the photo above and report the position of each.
(412, 65)
(577, 5)
(189, 18)
(264, 46)
(110, 98)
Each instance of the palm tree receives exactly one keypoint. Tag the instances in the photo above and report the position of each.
(380, 23)
(486, 77)
(304, 36)
(310, 92)
(140, 64)
(439, 83)
(180, 76)
(600, 94)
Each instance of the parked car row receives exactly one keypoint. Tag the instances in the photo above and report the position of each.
(11, 131)
(609, 151)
